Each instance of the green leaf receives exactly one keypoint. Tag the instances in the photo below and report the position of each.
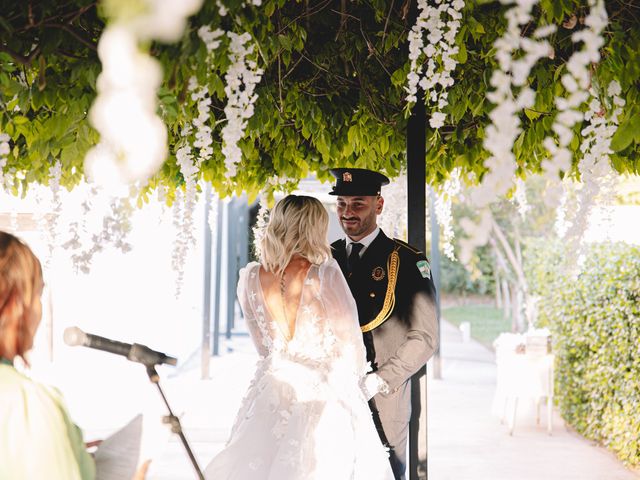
(20, 120)
(462, 54)
(531, 114)
(624, 135)
(285, 42)
(384, 144)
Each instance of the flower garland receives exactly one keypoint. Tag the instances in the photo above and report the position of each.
(596, 174)
(133, 138)
(520, 198)
(511, 74)
(477, 235)
(53, 219)
(439, 50)
(184, 204)
(561, 224)
(393, 219)
(576, 82)
(111, 217)
(180, 244)
(241, 79)
(262, 220)
(5, 149)
(450, 189)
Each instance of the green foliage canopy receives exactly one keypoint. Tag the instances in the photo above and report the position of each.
(332, 92)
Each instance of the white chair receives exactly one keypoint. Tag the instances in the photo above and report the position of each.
(527, 375)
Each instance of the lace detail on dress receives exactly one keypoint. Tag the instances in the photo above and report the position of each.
(304, 416)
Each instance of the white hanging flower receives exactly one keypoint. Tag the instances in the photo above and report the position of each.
(53, 219)
(261, 224)
(577, 83)
(596, 175)
(440, 50)
(241, 79)
(450, 189)
(510, 95)
(211, 38)
(133, 139)
(5, 149)
(477, 235)
(393, 219)
(520, 197)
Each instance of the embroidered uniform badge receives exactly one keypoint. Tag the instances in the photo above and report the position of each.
(346, 177)
(378, 274)
(423, 267)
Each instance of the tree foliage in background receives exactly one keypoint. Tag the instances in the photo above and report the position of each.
(595, 322)
(332, 93)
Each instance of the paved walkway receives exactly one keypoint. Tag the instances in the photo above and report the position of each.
(465, 441)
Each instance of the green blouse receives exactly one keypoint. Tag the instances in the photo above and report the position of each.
(37, 437)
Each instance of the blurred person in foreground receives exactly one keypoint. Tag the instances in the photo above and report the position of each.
(38, 439)
(305, 415)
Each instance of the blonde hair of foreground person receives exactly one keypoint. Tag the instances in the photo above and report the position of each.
(298, 224)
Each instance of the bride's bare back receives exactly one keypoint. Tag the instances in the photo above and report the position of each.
(282, 294)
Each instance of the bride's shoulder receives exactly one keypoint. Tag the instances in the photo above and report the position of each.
(249, 268)
(328, 266)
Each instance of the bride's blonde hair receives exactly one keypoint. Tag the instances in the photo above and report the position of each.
(298, 224)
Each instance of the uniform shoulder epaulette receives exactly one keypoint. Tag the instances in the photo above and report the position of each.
(407, 246)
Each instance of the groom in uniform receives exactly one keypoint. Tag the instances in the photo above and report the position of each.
(391, 283)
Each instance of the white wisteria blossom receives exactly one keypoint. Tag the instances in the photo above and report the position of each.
(597, 178)
(562, 225)
(180, 243)
(4, 151)
(133, 138)
(520, 198)
(102, 220)
(185, 203)
(576, 83)
(516, 55)
(439, 53)
(477, 235)
(241, 79)
(444, 201)
(211, 38)
(53, 219)
(393, 219)
(261, 224)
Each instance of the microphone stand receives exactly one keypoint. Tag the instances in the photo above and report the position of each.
(172, 420)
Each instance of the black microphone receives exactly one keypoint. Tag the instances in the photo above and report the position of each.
(135, 352)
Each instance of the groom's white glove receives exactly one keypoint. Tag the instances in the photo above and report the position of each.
(372, 385)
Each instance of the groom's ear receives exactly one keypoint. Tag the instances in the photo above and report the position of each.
(379, 204)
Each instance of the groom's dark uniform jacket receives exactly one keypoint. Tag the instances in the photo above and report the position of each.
(399, 323)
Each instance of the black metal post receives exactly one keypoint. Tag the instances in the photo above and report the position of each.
(416, 199)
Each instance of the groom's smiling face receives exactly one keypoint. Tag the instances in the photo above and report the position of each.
(358, 215)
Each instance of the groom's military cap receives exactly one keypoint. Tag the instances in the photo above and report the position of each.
(357, 181)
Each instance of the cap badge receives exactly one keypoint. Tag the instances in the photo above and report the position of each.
(377, 274)
(346, 177)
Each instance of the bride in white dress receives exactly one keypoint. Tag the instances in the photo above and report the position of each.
(304, 416)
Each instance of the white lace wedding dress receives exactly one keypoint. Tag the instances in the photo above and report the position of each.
(304, 416)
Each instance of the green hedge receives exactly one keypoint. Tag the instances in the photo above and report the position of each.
(595, 321)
